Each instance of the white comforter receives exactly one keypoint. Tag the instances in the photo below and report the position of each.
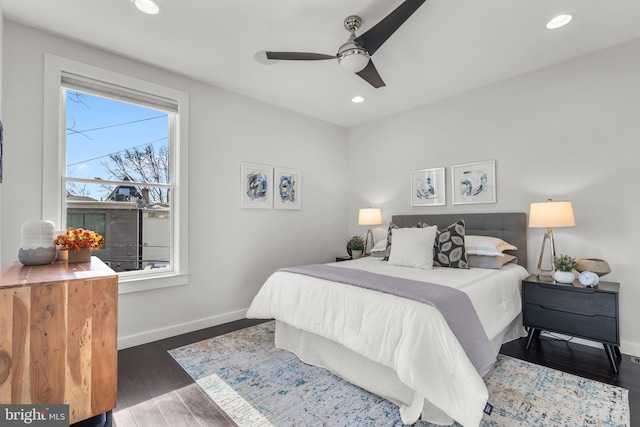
(410, 337)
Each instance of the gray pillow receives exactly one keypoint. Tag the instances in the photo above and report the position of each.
(490, 261)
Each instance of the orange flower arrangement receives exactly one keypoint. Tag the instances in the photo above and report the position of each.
(76, 238)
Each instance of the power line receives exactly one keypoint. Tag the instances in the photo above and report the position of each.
(117, 152)
(115, 125)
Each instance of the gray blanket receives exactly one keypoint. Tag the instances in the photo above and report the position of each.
(454, 305)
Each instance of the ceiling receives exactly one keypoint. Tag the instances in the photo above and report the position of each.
(445, 48)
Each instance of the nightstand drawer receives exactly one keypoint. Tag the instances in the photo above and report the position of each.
(598, 328)
(555, 297)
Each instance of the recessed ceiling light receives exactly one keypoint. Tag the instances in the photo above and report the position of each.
(559, 21)
(357, 99)
(150, 7)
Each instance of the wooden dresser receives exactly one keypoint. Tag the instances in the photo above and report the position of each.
(58, 336)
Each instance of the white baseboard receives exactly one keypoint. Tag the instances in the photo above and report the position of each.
(626, 347)
(183, 328)
(630, 348)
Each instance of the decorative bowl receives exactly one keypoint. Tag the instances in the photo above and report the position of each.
(594, 265)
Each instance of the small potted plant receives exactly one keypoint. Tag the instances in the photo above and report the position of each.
(564, 265)
(78, 243)
(355, 246)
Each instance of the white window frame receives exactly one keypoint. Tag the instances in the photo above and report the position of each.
(54, 165)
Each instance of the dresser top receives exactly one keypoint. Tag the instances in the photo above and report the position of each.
(19, 275)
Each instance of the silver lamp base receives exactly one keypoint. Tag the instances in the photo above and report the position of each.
(367, 251)
(548, 238)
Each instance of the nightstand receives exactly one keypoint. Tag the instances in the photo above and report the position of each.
(571, 309)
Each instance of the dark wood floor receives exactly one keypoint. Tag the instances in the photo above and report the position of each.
(153, 391)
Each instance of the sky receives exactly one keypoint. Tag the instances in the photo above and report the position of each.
(97, 127)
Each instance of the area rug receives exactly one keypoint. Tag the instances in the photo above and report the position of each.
(258, 385)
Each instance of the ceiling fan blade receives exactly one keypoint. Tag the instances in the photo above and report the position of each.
(298, 56)
(370, 74)
(379, 33)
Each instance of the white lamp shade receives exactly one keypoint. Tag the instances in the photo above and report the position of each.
(370, 216)
(551, 214)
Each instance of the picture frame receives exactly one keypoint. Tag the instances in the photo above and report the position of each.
(287, 188)
(474, 183)
(256, 183)
(428, 187)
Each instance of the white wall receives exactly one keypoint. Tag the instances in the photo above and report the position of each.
(1, 56)
(569, 132)
(232, 250)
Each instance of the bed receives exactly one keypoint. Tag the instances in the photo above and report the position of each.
(401, 349)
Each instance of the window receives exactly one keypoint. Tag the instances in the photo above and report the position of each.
(122, 147)
(118, 165)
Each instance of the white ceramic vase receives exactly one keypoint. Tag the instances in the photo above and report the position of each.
(356, 254)
(37, 247)
(564, 276)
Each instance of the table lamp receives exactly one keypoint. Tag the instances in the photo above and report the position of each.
(369, 216)
(547, 215)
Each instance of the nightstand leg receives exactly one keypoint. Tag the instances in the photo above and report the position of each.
(533, 333)
(611, 353)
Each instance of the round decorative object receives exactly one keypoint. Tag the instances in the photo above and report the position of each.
(594, 265)
(37, 247)
(564, 276)
(589, 279)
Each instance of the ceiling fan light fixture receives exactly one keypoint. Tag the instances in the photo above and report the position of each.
(150, 7)
(559, 21)
(353, 60)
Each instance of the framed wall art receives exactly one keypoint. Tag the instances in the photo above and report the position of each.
(474, 183)
(256, 182)
(427, 187)
(287, 188)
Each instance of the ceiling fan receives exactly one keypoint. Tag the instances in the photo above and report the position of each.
(355, 54)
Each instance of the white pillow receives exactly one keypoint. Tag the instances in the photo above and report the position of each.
(381, 246)
(380, 249)
(413, 247)
(485, 245)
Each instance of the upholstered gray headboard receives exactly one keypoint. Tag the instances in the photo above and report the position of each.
(509, 226)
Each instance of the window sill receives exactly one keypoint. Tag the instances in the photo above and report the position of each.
(146, 283)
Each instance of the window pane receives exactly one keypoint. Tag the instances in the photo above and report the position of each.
(95, 221)
(109, 140)
(137, 231)
(113, 140)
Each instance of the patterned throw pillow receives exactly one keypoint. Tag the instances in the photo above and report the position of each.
(388, 251)
(449, 248)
